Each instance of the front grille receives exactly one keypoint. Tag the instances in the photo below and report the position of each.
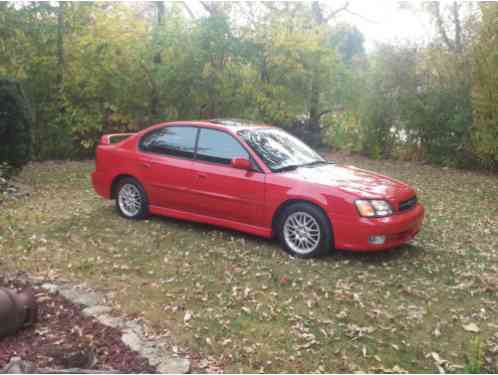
(406, 205)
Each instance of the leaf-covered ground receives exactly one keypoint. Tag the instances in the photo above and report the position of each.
(247, 306)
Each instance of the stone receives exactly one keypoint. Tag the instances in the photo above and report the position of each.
(111, 321)
(135, 327)
(132, 331)
(131, 339)
(17, 366)
(174, 365)
(96, 310)
(51, 288)
(79, 296)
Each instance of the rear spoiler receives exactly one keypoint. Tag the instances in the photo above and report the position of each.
(108, 139)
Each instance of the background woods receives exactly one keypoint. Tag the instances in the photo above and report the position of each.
(92, 68)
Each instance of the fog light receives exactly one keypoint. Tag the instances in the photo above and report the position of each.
(376, 240)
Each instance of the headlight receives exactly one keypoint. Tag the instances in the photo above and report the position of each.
(373, 208)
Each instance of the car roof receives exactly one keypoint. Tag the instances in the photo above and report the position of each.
(231, 125)
(235, 123)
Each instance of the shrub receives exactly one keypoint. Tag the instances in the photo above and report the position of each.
(485, 88)
(342, 132)
(15, 124)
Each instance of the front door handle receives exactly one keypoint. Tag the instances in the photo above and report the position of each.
(144, 164)
(201, 175)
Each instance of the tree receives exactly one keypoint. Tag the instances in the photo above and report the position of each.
(320, 20)
(60, 47)
(348, 41)
(157, 59)
(15, 124)
(485, 87)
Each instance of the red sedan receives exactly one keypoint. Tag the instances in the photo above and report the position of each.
(256, 179)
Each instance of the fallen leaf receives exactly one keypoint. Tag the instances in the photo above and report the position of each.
(471, 327)
(187, 317)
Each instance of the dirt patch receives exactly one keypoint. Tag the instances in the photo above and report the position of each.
(64, 338)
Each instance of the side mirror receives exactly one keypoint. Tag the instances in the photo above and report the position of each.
(241, 163)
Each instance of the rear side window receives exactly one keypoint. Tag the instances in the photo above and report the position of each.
(219, 147)
(171, 140)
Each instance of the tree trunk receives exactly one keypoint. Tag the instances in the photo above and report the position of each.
(60, 47)
(458, 27)
(155, 98)
(314, 120)
(314, 104)
(320, 19)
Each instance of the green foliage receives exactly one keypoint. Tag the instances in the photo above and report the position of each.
(417, 102)
(5, 171)
(15, 124)
(348, 41)
(384, 86)
(342, 132)
(485, 88)
(475, 357)
(127, 66)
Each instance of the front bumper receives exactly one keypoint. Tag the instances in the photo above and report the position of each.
(398, 229)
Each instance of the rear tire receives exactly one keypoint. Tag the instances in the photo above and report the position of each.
(131, 199)
(304, 230)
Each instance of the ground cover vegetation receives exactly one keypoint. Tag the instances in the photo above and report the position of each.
(244, 305)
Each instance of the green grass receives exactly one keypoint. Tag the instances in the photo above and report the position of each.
(253, 307)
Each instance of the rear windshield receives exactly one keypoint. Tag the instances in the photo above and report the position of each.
(118, 138)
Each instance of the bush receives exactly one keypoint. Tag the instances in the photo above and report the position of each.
(15, 124)
(342, 132)
(5, 171)
(485, 89)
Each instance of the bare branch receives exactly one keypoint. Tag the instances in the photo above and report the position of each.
(318, 15)
(270, 5)
(440, 25)
(324, 113)
(214, 8)
(335, 12)
(187, 8)
(360, 16)
(208, 7)
(458, 27)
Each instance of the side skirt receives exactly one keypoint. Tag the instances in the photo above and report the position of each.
(184, 215)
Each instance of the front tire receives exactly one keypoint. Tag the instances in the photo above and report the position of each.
(131, 199)
(304, 230)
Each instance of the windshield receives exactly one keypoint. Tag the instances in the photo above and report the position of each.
(280, 150)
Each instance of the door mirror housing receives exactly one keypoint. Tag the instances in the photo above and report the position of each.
(241, 163)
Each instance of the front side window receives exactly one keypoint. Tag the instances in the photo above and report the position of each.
(218, 147)
(279, 150)
(171, 140)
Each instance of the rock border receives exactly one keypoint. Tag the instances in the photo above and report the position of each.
(133, 335)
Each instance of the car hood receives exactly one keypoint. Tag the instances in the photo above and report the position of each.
(354, 180)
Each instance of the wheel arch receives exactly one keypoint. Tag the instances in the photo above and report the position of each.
(289, 202)
(115, 182)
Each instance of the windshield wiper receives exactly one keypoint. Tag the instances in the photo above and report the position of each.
(286, 168)
(295, 166)
(316, 162)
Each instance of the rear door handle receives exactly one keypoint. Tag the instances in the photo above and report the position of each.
(201, 175)
(145, 164)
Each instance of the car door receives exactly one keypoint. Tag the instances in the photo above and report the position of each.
(165, 161)
(223, 191)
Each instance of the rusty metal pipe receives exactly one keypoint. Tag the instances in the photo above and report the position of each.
(17, 310)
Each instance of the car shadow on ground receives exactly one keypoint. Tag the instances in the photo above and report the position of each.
(407, 251)
(271, 247)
